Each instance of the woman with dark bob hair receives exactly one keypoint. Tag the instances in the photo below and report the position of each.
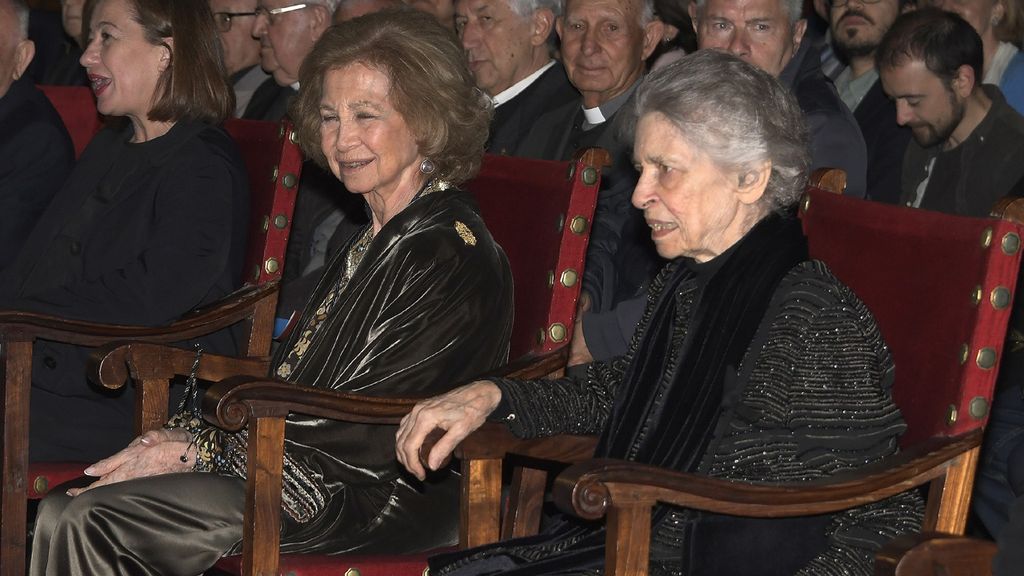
(151, 222)
(419, 299)
(751, 362)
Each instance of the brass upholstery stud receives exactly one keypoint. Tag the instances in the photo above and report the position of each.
(280, 221)
(266, 223)
(976, 296)
(41, 485)
(986, 358)
(289, 180)
(353, 572)
(589, 175)
(805, 203)
(1011, 243)
(978, 407)
(986, 237)
(578, 224)
(569, 278)
(1000, 297)
(965, 351)
(293, 137)
(951, 415)
(271, 265)
(426, 572)
(557, 332)
(551, 278)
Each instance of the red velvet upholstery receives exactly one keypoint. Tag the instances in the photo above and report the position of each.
(921, 286)
(529, 207)
(273, 163)
(77, 108)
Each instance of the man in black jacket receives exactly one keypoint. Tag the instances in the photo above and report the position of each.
(36, 154)
(857, 29)
(506, 43)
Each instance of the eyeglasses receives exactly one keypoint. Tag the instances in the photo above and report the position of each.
(223, 19)
(838, 3)
(271, 12)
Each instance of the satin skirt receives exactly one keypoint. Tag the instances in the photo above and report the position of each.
(173, 524)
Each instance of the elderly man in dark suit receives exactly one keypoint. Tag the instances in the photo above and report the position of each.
(36, 154)
(604, 45)
(506, 43)
(857, 30)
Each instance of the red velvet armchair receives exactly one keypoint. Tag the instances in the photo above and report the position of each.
(540, 213)
(273, 163)
(77, 109)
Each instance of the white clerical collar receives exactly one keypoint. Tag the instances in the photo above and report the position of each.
(594, 116)
(514, 90)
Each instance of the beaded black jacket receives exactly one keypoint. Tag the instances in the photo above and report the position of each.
(816, 401)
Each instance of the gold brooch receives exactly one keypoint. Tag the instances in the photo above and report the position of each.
(465, 233)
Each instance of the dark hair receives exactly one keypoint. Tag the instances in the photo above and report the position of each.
(194, 86)
(431, 86)
(942, 40)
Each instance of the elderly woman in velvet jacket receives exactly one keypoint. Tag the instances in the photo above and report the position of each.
(419, 299)
(751, 361)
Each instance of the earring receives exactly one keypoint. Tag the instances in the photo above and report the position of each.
(427, 166)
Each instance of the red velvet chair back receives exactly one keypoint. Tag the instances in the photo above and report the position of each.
(940, 287)
(77, 108)
(274, 163)
(540, 214)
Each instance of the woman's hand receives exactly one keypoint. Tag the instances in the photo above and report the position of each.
(458, 412)
(155, 452)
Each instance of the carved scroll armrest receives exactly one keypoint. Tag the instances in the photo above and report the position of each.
(935, 553)
(232, 309)
(588, 489)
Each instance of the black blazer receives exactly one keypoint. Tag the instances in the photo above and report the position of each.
(269, 101)
(36, 156)
(513, 119)
(886, 143)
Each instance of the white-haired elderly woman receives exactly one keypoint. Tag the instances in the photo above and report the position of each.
(730, 372)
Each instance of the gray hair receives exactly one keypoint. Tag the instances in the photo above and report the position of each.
(526, 8)
(793, 8)
(646, 10)
(331, 5)
(736, 114)
(19, 9)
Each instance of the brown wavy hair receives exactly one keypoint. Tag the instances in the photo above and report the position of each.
(194, 86)
(431, 86)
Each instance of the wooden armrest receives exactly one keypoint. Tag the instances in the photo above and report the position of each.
(232, 309)
(493, 440)
(229, 403)
(534, 366)
(588, 488)
(929, 553)
(110, 365)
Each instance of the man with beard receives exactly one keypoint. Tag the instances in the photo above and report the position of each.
(968, 148)
(857, 27)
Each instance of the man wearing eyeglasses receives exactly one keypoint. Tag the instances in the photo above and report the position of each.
(235, 20)
(287, 31)
(857, 28)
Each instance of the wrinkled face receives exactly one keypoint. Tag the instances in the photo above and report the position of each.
(443, 10)
(756, 31)
(8, 48)
(366, 141)
(923, 102)
(71, 17)
(604, 46)
(286, 38)
(978, 13)
(693, 208)
(241, 49)
(123, 67)
(858, 27)
(498, 43)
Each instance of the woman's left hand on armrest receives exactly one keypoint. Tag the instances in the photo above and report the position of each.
(155, 452)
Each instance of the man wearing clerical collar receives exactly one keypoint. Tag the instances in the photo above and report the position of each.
(604, 45)
(507, 46)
